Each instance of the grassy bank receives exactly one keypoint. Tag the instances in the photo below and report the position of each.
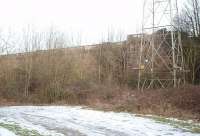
(15, 128)
(183, 103)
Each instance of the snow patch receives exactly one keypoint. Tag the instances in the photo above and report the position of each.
(66, 120)
(5, 132)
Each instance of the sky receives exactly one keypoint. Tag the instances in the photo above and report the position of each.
(92, 20)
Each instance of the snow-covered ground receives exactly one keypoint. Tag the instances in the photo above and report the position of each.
(5, 132)
(77, 121)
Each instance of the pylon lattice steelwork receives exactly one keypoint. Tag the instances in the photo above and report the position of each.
(161, 62)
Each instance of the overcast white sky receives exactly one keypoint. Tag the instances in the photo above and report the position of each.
(89, 18)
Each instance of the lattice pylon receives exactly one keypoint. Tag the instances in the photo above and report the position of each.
(161, 62)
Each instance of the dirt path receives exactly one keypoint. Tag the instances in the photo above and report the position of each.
(76, 121)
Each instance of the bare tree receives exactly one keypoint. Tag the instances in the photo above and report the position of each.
(190, 18)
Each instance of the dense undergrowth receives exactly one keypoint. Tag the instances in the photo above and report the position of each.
(99, 77)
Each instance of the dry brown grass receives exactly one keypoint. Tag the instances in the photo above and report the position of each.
(181, 103)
